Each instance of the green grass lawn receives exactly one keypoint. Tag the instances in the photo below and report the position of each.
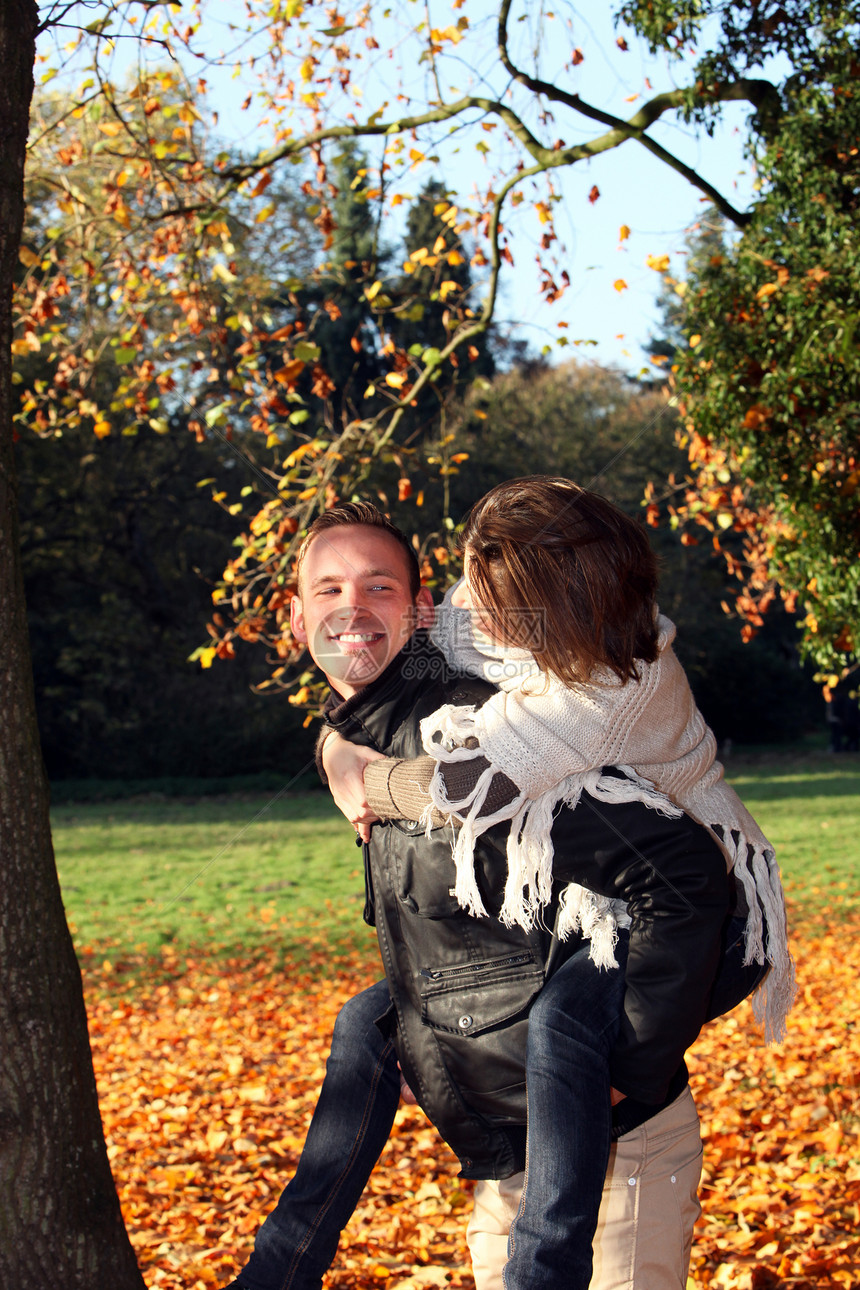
(810, 810)
(268, 873)
(209, 875)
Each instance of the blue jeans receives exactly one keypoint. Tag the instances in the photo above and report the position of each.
(349, 1128)
(572, 1027)
(735, 980)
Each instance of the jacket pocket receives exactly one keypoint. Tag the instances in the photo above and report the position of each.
(425, 874)
(477, 995)
(478, 1013)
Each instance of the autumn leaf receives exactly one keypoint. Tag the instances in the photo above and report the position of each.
(208, 1072)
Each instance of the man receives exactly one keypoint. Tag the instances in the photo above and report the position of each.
(464, 997)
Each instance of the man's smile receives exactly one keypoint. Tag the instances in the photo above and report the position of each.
(356, 638)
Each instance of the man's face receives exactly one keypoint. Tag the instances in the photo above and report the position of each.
(354, 609)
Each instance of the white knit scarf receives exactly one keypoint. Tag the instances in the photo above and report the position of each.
(552, 740)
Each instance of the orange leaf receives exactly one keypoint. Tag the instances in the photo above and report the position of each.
(289, 374)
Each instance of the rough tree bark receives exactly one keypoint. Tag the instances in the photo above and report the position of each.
(60, 1221)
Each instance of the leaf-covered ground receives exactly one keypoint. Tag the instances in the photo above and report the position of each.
(208, 1075)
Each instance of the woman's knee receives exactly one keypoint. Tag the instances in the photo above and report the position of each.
(580, 1002)
(357, 1019)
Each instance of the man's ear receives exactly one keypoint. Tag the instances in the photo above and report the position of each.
(425, 612)
(297, 621)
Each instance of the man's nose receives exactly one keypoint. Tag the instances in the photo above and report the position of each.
(354, 612)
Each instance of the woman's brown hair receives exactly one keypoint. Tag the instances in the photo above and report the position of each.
(565, 574)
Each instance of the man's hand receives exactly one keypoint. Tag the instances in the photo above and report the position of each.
(344, 765)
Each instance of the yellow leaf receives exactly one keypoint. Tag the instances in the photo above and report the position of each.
(264, 214)
(110, 128)
(695, 340)
(25, 344)
(725, 520)
(302, 451)
(619, 284)
(207, 656)
(446, 287)
(767, 290)
(28, 257)
(623, 233)
(658, 262)
(396, 380)
(102, 429)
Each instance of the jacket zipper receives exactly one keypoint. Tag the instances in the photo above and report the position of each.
(437, 974)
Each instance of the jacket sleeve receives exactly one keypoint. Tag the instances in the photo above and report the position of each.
(672, 874)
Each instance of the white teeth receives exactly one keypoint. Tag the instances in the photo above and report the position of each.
(356, 638)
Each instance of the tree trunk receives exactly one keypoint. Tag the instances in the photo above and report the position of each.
(60, 1221)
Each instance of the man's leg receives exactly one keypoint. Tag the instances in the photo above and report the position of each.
(647, 1211)
(573, 1026)
(350, 1126)
(495, 1207)
(645, 1230)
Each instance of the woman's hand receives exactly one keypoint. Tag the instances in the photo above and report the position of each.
(344, 765)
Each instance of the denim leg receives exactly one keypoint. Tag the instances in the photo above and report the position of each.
(735, 980)
(349, 1128)
(572, 1029)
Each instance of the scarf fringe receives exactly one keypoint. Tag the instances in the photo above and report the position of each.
(528, 889)
(766, 932)
(595, 918)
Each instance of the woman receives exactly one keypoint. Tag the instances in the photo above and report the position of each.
(560, 591)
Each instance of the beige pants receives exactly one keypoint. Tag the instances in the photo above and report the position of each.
(650, 1203)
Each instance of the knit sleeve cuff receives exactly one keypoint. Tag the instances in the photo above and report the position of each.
(400, 790)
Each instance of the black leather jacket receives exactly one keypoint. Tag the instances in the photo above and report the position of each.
(462, 987)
